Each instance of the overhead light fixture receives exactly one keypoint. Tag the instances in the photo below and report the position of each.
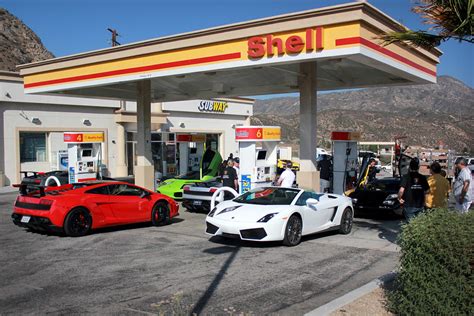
(86, 122)
(36, 120)
(220, 87)
(182, 125)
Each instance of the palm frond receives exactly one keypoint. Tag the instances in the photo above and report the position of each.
(418, 39)
(450, 19)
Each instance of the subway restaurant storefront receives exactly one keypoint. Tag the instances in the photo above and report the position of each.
(326, 48)
(185, 131)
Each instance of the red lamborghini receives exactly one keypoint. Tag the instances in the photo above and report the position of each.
(75, 209)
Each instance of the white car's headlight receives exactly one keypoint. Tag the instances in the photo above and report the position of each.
(392, 197)
(266, 218)
(212, 212)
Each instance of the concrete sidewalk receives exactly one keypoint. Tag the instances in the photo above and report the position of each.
(8, 189)
(353, 295)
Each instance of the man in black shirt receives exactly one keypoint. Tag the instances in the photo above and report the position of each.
(324, 167)
(412, 191)
(229, 178)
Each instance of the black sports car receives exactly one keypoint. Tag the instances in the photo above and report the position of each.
(380, 195)
(34, 180)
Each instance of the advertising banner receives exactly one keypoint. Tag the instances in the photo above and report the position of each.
(258, 133)
(84, 137)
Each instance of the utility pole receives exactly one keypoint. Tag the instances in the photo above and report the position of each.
(114, 37)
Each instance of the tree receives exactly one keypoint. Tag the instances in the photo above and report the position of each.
(450, 19)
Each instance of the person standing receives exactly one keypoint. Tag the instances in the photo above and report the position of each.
(324, 167)
(236, 167)
(413, 188)
(439, 188)
(462, 186)
(287, 177)
(229, 178)
(372, 175)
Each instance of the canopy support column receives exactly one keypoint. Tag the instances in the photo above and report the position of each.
(144, 171)
(308, 176)
(121, 166)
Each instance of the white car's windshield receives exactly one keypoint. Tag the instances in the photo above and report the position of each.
(268, 196)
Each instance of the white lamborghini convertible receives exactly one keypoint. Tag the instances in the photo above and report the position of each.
(276, 213)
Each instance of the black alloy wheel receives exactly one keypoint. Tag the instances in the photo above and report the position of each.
(346, 222)
(78, 222)
(293, 231)
(160, 215)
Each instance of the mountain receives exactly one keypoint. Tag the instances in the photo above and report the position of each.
(427, 114)
(18, 43)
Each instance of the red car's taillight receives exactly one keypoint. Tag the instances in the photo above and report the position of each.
(46, 202)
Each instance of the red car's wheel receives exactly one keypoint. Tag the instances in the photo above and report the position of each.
(78, 222)
(160, 215)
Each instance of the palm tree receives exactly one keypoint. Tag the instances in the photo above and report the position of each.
(450, 19)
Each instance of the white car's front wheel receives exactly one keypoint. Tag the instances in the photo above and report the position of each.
(293, 230)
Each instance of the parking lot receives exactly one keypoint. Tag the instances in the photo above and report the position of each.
(142, 269)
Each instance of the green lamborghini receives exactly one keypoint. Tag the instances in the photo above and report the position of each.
(209, 168)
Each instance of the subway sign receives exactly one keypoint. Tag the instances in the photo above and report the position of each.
(270, 45)
(213, 106)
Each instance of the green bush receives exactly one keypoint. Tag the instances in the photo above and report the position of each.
(437, 258)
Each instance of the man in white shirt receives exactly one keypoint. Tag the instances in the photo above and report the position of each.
(461, 186)
(287, 177)
(237, 165)
(237, 169)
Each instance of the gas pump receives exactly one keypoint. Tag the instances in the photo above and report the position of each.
(258, 155)
(345, 160)
(84, 155)
(189, 157)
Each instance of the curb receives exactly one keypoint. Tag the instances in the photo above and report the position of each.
(8, 190)
(333, 305)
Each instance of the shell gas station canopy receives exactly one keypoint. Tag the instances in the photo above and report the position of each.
(328, 48)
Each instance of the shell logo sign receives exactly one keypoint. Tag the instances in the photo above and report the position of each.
(257, 133)
(259, 46)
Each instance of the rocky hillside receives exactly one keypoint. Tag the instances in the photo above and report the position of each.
(427, 114)
(18, 43)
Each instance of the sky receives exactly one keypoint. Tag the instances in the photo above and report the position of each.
(68, 27)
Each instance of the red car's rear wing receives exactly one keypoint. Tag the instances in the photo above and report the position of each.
(23, 188)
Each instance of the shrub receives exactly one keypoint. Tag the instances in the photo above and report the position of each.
(437, 258)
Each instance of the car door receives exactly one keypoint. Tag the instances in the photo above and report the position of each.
(315, 217)
(329, 203)
(127, 204)
(98, 200)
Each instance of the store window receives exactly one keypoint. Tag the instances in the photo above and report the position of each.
(163, 148)
(32, 147)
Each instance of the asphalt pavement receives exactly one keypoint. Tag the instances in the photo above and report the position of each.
(141, 269)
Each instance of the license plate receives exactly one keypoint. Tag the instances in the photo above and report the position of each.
(25, 219)
(197, 202)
